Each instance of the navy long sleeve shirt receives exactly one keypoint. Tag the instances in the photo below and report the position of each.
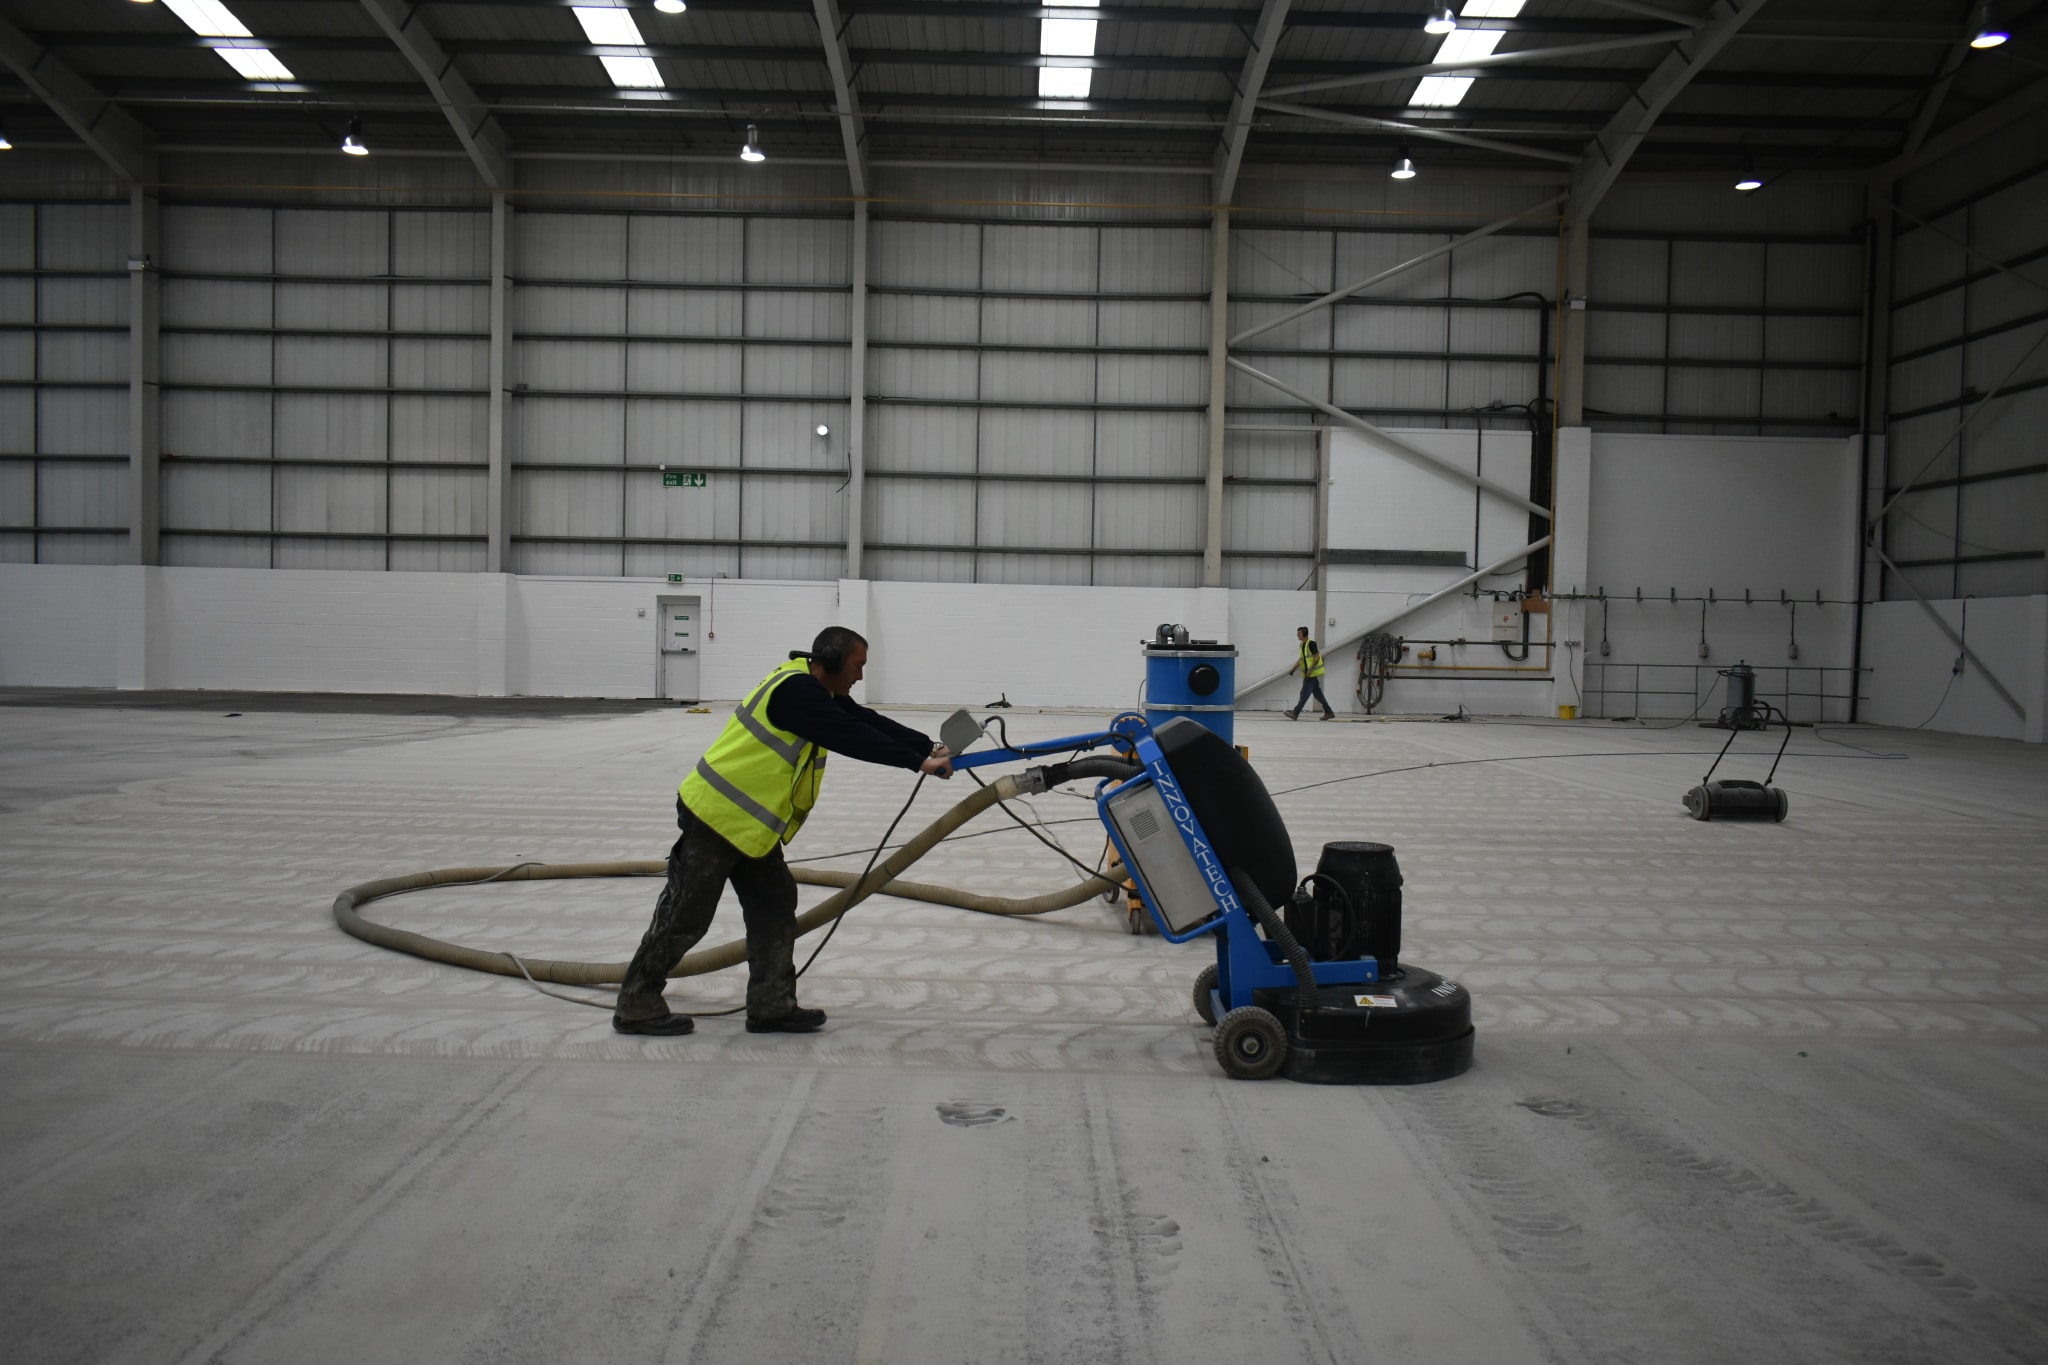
(803, 707)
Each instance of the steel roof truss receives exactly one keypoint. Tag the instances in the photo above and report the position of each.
(475, 126)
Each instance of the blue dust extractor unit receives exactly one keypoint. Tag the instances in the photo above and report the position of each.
(1192, 678)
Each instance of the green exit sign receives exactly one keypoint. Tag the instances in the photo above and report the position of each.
(684, 478)
(675, 578)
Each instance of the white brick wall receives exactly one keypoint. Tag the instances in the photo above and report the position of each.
(308, 630)
(59, 624)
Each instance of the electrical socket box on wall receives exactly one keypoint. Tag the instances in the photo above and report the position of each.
(1507, 620)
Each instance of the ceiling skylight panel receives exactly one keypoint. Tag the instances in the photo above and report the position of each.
(1440, 92)
(212, 19)
(1066, 38)
(1467, 43)
(615, 28)
(1462, 45)
(208, 18)
(255, 63)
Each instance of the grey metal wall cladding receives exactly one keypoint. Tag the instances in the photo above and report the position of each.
(1969, 373)
(1128, 517)
(922, 512)
(918, 438)
(1151, 444)
(82, 495)
(1271, 519)
(1018, 351)
(80, 236)
(1025, 442)
(81, 422)
(567, 431)
(334, 426)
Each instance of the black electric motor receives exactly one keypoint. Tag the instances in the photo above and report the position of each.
(1353, 906)
(1409, 1026)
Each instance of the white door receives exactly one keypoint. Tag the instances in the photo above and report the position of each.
(678, 638)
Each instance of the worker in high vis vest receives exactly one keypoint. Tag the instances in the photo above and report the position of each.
(1311, 665)
(745, 799)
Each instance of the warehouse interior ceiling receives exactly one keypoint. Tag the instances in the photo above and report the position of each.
(1806, 87)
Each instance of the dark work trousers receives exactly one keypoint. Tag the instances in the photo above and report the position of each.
(699, 866)
(1311, 687)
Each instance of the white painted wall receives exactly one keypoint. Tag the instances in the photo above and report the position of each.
(1726, 515)
(1383, 499)
(1911, 681)
(59, 625)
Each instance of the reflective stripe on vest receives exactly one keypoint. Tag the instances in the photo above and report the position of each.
(1311, 660)
(756, 783)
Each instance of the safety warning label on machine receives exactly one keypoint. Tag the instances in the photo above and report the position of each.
(1376, 1002)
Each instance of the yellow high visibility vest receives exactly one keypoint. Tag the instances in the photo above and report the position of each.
(1311, 660)
(756, 783)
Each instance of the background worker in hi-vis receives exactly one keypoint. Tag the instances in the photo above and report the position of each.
(1311, 665)
(746, 798)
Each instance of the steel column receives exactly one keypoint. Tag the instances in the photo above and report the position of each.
(497, 558)
(1219, 386)
(145, 358)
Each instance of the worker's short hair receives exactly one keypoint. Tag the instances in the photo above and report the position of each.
(833, 644)
(1301, 630)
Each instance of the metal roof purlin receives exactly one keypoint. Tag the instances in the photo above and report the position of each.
(832, 29)
(477, 129)
(1473, 66)
(111, 132)
(1958, 135)
(1244, 105)
(1613, 145)
(1416, 130)
(1653, 11)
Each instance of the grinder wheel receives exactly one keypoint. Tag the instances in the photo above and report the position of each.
(1250, 1043)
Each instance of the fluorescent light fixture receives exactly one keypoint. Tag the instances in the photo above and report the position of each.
(750, 150)
(1492, 9)
(1066, 38)
(352, 142)
(1440, 21)
(1986, 31)
(615, 28)
(1404, 169)
(212, 19)
(670, 6)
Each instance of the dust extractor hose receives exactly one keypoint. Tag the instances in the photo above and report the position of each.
(881, 878)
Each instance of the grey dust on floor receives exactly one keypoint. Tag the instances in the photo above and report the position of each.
(1743, 1092)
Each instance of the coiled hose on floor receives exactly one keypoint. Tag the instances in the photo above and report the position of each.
(881, 878)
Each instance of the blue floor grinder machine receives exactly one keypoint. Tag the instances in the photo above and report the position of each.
(1315, 990)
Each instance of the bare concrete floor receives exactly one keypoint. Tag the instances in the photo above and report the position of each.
(1745, 1093)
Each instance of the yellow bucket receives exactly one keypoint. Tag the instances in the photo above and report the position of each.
(1567, 713)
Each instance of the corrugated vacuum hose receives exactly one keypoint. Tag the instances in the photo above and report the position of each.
(882, 878)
